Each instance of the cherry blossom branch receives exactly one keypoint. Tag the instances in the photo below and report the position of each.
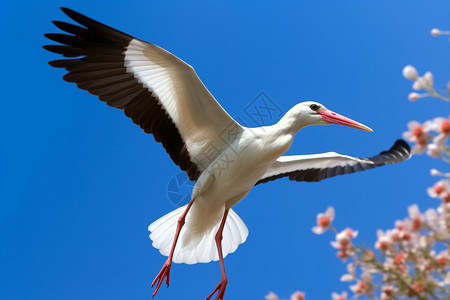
(408, 267)
(426, 81)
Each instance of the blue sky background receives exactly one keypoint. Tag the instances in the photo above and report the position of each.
(81, 183)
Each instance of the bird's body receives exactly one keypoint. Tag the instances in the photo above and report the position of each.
(229, 178)
(164, 96)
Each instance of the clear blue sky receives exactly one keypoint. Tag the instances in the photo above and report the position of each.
(81, 183)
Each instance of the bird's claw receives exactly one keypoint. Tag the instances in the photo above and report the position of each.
(165, 272)
(221, 288)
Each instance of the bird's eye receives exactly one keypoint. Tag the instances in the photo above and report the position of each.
(314, 107)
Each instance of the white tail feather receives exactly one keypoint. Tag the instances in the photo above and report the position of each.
(163, 232)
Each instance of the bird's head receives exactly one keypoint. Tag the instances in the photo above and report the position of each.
(314, 113)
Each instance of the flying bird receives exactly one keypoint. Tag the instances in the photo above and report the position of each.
(165, 97)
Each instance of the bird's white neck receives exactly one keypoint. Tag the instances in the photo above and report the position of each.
(290, 123)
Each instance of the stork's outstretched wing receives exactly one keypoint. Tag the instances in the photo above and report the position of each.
(158, 91)
(317, 167)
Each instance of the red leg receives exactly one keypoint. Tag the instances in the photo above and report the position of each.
(165, 271)
(223, 283)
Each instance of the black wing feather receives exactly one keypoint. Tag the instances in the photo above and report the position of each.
(98, 67)
(399, 152)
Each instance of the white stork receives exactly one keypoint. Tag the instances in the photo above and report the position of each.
(163, 95)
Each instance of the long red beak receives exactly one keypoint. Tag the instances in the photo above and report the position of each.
(334, 118)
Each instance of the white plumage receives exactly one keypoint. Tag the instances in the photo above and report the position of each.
(197, 115)
(163, 231)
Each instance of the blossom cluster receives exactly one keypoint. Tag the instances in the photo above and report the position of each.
(424, 82)
(295, 296)
(412, 259)
(431, 136)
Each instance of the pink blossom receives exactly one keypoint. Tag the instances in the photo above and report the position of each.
(298, 296)
(350, 276)
(401, 233)
(345, 253)
(418, 133)
(389, 263)
(424, 264)
(344, 238)
(384, 240)
(396, 263)
(271, 296)
(369, 255)
(400, 258)
(435, 150)
(388, 292)
(324, 221)
(432, 217)
(425, 241)
(437, 222)
(443, 259)
(445, 197)
(336, 296)
(358, 288)
(441, 190)
(441, 125)
(363, 286)
(442, 186)
(401, 230)
(343, 243)
(416, 217)
(418, 287)
(445, 126)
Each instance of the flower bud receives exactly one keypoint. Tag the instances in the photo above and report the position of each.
(439, 188)
(409, 72)
(445, 126)
(271, 296)
(413, 96)
(428, 76)
(435, 32)
(434, 150)
(298, 296)
(336, 296)
(434, 172)
(417, 85)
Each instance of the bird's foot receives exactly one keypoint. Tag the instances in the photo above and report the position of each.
(221, 290)
(165, 272)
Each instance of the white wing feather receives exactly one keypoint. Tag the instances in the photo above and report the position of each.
(292, 163)
(197, 115)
